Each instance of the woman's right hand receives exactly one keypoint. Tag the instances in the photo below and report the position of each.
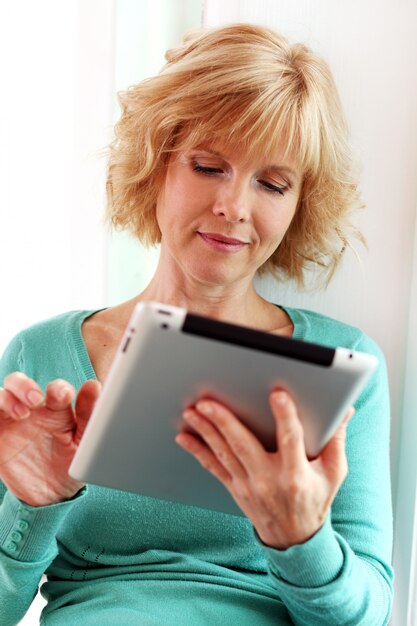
(39, 435)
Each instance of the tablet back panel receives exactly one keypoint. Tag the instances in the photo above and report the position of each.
(167, 360)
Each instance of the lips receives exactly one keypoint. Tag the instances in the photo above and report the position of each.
(223, 239)
(220, 242)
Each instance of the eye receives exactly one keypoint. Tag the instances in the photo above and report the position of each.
(273, 188)
(206, 169)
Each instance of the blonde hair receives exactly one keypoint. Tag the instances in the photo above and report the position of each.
(247, 87)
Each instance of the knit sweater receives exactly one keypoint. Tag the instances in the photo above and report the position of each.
(112, 557)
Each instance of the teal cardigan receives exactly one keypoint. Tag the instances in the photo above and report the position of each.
(112, 557)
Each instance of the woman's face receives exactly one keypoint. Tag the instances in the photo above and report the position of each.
(222, 218)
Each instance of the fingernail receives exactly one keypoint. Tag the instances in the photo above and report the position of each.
(280, 397)
(189, 415)
(205, 407)
(61, 393)
(35, 397)
(21, 411)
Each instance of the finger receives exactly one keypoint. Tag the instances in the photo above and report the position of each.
(26, 390)
(204, 456)
(241, 441)
(59, 395)
(290, 433)
(333, 455)
(84, 405)
(215, 442)
(351, 412)
(11, 406)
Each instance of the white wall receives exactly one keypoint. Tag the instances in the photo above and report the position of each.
(372, 49)
(55, 115)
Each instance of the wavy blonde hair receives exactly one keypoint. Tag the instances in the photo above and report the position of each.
(245, 86)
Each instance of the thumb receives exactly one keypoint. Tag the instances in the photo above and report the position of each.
(86, 399)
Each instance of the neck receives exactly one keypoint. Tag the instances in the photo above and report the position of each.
(237, 302)
(233, 304)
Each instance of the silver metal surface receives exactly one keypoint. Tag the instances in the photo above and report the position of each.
(129, 441)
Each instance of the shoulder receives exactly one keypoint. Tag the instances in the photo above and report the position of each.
(53, 328)
(41, 344)
(325, 330)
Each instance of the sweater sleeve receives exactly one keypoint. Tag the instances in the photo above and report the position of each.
(342, 575)
(27, 534)
(27, 547)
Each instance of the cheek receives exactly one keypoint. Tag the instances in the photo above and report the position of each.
(166, 206)
(275, 224)
(159, 211)
(286, 215)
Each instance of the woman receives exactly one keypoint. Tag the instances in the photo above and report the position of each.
(235, 159)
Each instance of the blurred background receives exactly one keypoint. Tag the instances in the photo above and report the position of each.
(61, 65)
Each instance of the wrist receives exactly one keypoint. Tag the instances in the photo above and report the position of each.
(316, 562)
(278, 540)
(37, 500)
(41, 524)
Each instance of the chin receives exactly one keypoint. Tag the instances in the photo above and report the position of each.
(218, 278)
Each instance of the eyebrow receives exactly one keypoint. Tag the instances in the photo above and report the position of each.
(284, 168)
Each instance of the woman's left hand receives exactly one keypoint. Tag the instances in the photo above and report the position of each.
(285, 495)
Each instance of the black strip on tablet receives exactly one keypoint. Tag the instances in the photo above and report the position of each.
(258, 339)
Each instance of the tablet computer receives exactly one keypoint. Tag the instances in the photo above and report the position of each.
(167, 360)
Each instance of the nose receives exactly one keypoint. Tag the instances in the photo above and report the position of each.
(232, 203)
